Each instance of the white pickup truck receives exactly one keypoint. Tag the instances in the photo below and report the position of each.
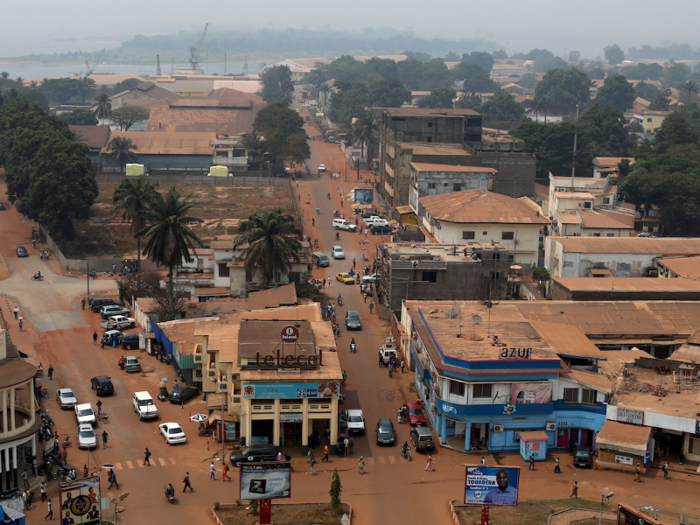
(118, 322)
(376, 220)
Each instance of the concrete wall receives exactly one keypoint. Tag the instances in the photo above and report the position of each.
(443, 182)
(435, 129)
(516, 172)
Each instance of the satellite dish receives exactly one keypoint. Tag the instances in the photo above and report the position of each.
(477, 319)
(693, 360)
(453, 312)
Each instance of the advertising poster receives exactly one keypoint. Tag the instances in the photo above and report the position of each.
(364, 195)
(266, 480)
(491, 485)
(531, 393)
(291, 390)
(627, 515)
(80, 502)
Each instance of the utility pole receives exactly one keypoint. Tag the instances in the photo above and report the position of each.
(573, 162)
(225, 35)
(87, 276)
(157, 64)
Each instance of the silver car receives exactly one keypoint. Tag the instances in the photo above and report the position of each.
(66, 398)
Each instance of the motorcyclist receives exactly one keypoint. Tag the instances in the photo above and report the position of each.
(315, 243)
(329, 195)
(170, 491)
(37, 275)
(337, 236)
(404, 448)
(340, 299)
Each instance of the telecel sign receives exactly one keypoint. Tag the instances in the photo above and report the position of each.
(278, 359)
(290, 334)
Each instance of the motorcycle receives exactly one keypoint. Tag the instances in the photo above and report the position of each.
(318, 210)
(69, 474)
(37, 277)
(353, 347)
(406, 452)
(340, 300)
(169, 494)
(66, 440)
(364, 257)
(337, 236)
(316, 244)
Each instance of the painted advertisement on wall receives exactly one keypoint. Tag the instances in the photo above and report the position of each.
(524, 393)
(266, 480)
(291, 390)
(627, 515)
(80, 502)
(491, 485)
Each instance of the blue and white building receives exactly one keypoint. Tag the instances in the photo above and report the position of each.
(488, 374)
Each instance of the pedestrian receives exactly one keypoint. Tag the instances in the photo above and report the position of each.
(345, 376)
(337, 330)
(186, 481)
(114, 269)
(42, 489)
(532, 462)
(86, 471)
(361, 465)
(351, 444)
(483, 461)
(35, 467)
(49, 516)
(429, 464)
(329, 281)
(353, 263)
(364, 296)
(82, 302)
(346, 443)
(16, 312)
(105, 437)
(325, 454)
(94, 338)
(310, 456)
(176, 384)
(665, 469)
(366, 232)
(574, 490)
(224, 472)
(112, 478)
(380, 360)
(147, 457)
(324, 282)
(313, 221)
(371, 306)
(280, 457)
(25, 479)
(50, 371)
(21, 323)
(557, 466)
(403, 365)
(212, 472)
(638, 473)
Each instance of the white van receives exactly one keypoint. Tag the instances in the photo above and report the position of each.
(144, 405)
(344, 224)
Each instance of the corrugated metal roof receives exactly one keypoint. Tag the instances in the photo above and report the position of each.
(169, 143)
(441, 151)
(597, 381)
(688, 267)
(428, 112)
(651, 284)
(638, 245)
(420, 166)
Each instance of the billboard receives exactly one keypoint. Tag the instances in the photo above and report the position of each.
(531, 393)
(291, 390)
(80, 501)
(266, 480)
(491, 485)
(627, 515)
(365, 195)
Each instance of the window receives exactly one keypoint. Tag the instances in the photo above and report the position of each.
(223, 270)
(430, 124)
(694, 445)
(430, 139)
(507, 236)
(588, 396)
(496, 257)
(248, 276)
(484, 233)
(649, 119)
(457, 388)
(467, 235)
(596, 235)
(457, 186)
(430, 277)
(606, 200)
(571, 395)
(495, 276)
(587, 205)
(431, 185)
(611, 235)
(482, 390)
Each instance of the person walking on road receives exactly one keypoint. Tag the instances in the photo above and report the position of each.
(403, 365)
(574, 490)
(94, 338)
(371, 306)
(361, 465)
(557, 466)
(325, 454)
(186, 481)
(16, 312)
(21, 324)
(50, 371)
(42, 488)
(224, 472)
(351, 444)
(664, 468)
(49, 516)
(345, 376)
(429, 464)
(532, 462)
(353, 263)
(212, 472)
(105, 437)
(147, 457)
(638, 473)
(112, 478)
(82, 303)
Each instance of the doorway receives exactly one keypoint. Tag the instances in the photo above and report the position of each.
(261, 432)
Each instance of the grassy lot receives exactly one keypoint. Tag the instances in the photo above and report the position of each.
(284, 514)
(527, 512)
(221, 208)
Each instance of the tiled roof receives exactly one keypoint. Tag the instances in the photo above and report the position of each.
(479, 206)
(157, 92)
(169, 143)
(273, 297)
(95, 137)
(420, 166)
(612, 161)
(640, 245)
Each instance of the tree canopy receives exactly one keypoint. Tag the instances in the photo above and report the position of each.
(564, 89)
(438, 98)
(127, 116)
(277, 86)
(614, 55)
(283, 131)
(501, 111)
(79, 117)
(616, 92)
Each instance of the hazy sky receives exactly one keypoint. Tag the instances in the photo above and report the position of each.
(42, 26)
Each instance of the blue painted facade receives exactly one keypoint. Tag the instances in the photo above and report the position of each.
(496, 426)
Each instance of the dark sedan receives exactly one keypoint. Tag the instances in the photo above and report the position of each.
(22, 251)
(386, 435)
(102, 385)
(352, 320)
(182, 394)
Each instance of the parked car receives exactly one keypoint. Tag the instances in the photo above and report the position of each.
(373, 278)
(415, 414)
(66, 398)
(344, 224)
(22, 251)
(173, 433)
(130, 341)
(114, 309)
(583, 457)
(422, 438)
(387, 351)
(182, 394)
(102, 385)
(369, 213)
(85, 414)
(86, 436)
(375, 220)
(345, 278)
(253, 454)
(99, 303)
(337, 252)
(132, 364)
(118, 322)
(353, 420)
(110, 334)
(381, 230)
(352, 320)
(386, 435)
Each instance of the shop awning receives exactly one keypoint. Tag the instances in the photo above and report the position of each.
(229, 417)
(621, 437)
(534, 435)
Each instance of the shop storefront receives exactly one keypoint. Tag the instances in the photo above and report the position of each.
(621, 446)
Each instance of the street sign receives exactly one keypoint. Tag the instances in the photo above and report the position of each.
(290, 334)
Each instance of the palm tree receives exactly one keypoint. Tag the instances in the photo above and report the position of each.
(364, 130)
(103, 107)
(536, 105)
(254, 143)
(168, 235)
(690, 87)
(269, 245)
(121, 149)
(133, 197)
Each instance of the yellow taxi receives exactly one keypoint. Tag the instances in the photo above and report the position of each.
(345, 278)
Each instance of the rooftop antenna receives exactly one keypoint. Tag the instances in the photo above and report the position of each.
(573, 162)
